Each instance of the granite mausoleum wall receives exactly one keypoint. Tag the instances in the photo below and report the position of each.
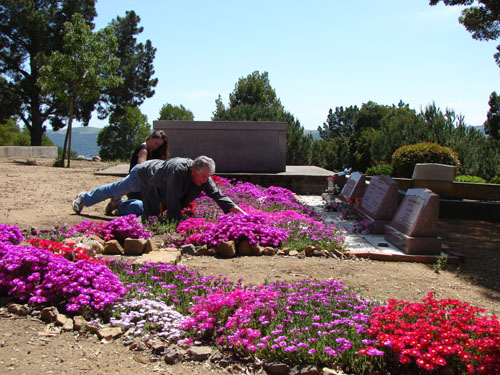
(235, 146)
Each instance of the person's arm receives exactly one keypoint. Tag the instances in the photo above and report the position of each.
(142, 155)
(237, 210)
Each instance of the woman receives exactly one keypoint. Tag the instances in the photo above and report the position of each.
(155, 147)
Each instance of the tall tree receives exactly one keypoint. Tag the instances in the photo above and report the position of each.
(136, 67)
(30, 30)
(340, 123)
(175, 112)
(254, 89)
(492, 123)
(84, 68)
(125, 131)
(482, 19)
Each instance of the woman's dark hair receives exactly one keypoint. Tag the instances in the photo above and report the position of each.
(162, 152)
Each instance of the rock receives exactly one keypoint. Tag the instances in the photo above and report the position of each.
(310, 370)
(173, 355)
(134, 246)
(96, 238)
(293, 253)
(286, 250)
(257, 250)
(199, 353)
(308, 250)
(187, 249)
(317, 253)
(268, 251)
(325, 253)
(172, 257)
(64, 321)
(244, 249)
(150, 246)
(276, 368)
(109, 333)
(216, 356)
(226, 249)
(33, 231)
(201, 250)
(158, 348)
(329, 371)
(280, 252)
(212, 251)
(49, 314)
(15, 308)
(91, 328)
(79, 322)
(112, 247)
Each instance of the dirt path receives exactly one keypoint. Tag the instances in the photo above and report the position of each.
(40, 196)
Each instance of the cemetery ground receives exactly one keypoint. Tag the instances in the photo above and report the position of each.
(35, 194)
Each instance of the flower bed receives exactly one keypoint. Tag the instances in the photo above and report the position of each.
(306, 322)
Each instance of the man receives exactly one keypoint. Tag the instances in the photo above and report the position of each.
(169, 185)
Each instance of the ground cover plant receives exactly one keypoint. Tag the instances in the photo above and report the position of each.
(299, 323)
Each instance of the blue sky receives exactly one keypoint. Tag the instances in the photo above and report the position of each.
(319, 54)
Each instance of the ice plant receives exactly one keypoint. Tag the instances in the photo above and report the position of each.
(69, 249)
(11, 234)
(308, 321)
(437, 333)
(141, 317)
(40, 277)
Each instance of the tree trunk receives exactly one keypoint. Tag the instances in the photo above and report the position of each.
(70, 122)
(63, 156)
(36, 130)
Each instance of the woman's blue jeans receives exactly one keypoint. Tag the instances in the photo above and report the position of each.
(131, 183)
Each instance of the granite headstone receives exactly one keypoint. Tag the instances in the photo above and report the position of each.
(354, 187)
(379, 203)
(413, 228)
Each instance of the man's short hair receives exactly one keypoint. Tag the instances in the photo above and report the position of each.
(204, 162)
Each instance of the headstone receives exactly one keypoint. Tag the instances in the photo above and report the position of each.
(379, 203)
(413, 228)
(434, 171)
(354, 187)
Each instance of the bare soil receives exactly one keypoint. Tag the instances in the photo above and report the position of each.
(40, 196)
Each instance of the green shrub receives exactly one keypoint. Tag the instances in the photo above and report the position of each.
(467, 178)
(379, 169)
(495, 180)
(405, 157)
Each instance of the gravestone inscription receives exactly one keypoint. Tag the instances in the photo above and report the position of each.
(413, 228)
(379, 203)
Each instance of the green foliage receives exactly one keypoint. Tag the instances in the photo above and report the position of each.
(253, 99)
(30, 31)
(125, 131)
(379, 170)
(340, 123)
(135, 68)
(405, 157)
(494, 180)
(84, 68)
(175, 112)
(468, 178)
(492, 123)
(253, 90)
(11, 135)
(482, 20)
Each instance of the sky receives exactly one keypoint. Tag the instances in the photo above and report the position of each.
(319, 54)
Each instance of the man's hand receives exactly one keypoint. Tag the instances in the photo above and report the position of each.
(237, 210)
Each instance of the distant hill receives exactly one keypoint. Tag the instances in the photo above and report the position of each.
(83, 140)
(314, 133)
